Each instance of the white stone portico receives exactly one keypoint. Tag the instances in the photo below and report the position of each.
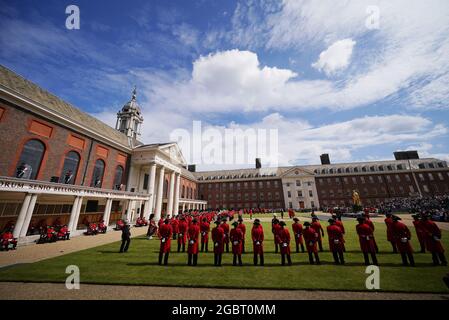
(151, 166)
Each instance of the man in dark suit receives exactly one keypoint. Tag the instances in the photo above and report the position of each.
(126, 238)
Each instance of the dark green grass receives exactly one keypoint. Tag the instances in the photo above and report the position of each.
(103, 265)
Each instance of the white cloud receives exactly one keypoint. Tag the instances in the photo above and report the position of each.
(336, 57)
(411, 43)
(302, 143)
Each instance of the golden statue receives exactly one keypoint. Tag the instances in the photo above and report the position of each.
(356, 198)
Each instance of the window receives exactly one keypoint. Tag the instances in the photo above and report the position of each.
(431, 177)
(310, 193)
(398, 178)
(118, 177)
(30, 159)
(298, 183)
(70, 168)
(289, 194)
(299, 193)
(97, 175)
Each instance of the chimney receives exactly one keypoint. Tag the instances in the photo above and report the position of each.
(406, 155)
(191, 167)
(325, 158)
(258, 163)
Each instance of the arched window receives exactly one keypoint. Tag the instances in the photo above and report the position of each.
(118, 177)
(70, 168)
(97, 175)
(30, 159)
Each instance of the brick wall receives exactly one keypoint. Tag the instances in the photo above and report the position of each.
(17, 126)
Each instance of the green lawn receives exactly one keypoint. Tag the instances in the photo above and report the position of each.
(139, 267)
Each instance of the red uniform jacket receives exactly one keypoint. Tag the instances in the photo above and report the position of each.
(402, 236)
(389, 222)
(420, 230)
(370, 223)
(193, 233)
(318, 228)
(297, 232)
(236, 236)
(340, 224)
(366, 238)
(218, 239)
(433, 237)
(165, 232)
(311, 238)
(284, 238)
(204, 229)
(336, 240)
(242, 227)
(225, 228)
(257, 236)
(174, 224)
(182, 231)
(276, 228)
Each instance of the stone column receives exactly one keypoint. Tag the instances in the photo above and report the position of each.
(177, 190)
(28, 215)
(75, 214)
(171, 194)
(183, 206)
(160, 189)
(151, 183)
(131, 204)
(107, 212)
(22, 215)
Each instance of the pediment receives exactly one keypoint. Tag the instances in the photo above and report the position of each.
(297, 172)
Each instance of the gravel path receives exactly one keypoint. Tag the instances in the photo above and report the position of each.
(36, 252)
(39, 291)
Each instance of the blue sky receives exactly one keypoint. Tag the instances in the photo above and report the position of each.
(314, 70)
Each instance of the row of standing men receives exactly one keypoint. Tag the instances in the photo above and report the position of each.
(187, 229)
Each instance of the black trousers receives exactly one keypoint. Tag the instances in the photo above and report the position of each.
(261, 259)
(373, 258)
(204, 246)
(163, 256)
(289, 259)
(183, 246)
(125, 245)
(407, 258)
(297, 247)
(314, 255)
(393, 245)
(235, 258)
(192, 259)
(338, 257)
(217, 259)
(439, 258)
